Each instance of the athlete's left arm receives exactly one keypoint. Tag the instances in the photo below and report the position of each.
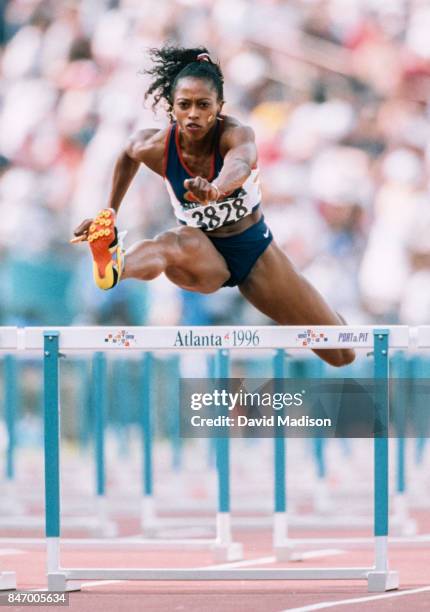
(240, 156)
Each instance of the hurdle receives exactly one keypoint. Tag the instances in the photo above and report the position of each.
(378, 576)
(8, 343)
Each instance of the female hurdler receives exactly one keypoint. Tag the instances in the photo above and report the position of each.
(209, 164)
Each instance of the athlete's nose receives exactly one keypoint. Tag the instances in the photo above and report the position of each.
(193, 113)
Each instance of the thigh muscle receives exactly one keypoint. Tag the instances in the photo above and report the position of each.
(192, 260)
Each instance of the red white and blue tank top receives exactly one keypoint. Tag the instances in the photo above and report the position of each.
(226, 211)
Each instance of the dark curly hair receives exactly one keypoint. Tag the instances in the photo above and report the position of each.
(173, 63)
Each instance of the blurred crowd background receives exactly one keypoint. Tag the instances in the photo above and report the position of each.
(337, 91)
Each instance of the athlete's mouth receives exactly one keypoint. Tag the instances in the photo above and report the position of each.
(193, 126)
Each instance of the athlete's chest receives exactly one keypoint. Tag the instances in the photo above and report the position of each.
(198, 165)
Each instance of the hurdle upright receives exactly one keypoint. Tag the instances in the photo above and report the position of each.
(8, 343)
(379, 577)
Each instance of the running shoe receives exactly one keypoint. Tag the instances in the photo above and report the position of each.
(106, 249)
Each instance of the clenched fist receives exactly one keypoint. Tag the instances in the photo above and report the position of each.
(200, 190)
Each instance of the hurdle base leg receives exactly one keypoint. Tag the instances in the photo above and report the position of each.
(57, 581)
(10, 505)
(378, 582)
(403, 526)
(7, 581)
(224, 549)
(282, 546)
(401, 523)
(149, 522)
(106, 528)
(223, 553)
(322, 502)
(284, 552)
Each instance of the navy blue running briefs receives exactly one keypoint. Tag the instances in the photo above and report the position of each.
(241, 251)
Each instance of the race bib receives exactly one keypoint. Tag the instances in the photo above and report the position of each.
(212, 216)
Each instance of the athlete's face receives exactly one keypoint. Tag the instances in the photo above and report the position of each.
(195, 106)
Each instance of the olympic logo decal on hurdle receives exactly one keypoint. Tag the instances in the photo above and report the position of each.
(311, 338)
(121, 339)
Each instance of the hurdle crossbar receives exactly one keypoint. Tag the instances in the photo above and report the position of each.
(8, 339)
(422, 336)
(227, 337)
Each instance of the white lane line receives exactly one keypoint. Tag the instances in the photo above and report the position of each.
(345, 602)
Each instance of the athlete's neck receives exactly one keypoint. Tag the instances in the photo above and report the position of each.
(193, 146)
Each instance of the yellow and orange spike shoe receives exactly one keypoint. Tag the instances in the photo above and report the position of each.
(106, 250)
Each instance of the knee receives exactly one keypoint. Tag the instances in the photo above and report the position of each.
(189, 240)
(207, 289)
(181, 241)
(165, 239)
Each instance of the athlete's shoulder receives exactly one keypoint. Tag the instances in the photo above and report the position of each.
(238, 138)
(147, 146)
(230, 125)
(145, 140)
(234, 133)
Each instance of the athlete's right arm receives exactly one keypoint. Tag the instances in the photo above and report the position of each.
(144, 147)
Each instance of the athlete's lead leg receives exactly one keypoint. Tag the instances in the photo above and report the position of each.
(184, 254)
(284, 295)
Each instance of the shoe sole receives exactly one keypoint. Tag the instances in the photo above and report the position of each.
(102, 238)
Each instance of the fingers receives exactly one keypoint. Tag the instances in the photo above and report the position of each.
(82, 238)
(188, 183)
(200, 190)
(81, 232)
(190, 197)
(83, 227)
(195, 184)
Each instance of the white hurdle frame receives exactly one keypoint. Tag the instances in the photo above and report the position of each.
(378, 576)
(422, 337)
(8, 342)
